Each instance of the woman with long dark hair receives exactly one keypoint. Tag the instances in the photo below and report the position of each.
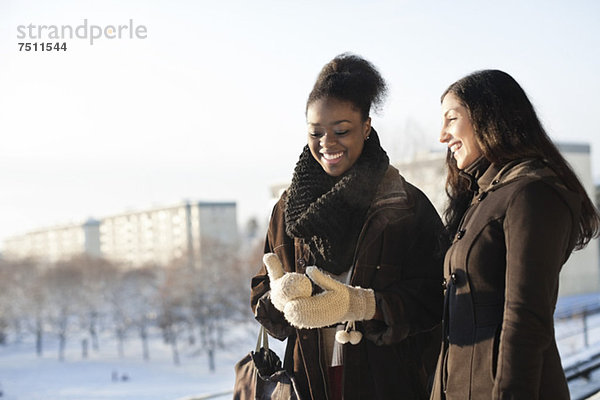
(362, 326)
(516, 211)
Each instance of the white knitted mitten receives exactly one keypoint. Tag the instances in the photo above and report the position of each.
(285, 286)
(338, 303)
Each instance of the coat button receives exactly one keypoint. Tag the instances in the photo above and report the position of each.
(461, 233)
(453, 277)
(301, 262)
(445, 284)
(495, 182)
(482, 196)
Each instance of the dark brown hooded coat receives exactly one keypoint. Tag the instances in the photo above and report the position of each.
(502, 282)
(399, 255)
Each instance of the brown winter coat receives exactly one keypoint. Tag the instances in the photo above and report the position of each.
(502, 282)
(399, 255)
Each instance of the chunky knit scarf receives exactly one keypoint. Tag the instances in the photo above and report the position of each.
(328, 212)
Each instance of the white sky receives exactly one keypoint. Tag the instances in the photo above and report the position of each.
(210, 106)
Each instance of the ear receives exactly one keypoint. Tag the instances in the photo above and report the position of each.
(367, 128)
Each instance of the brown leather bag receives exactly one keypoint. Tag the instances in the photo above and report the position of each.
(259, 375)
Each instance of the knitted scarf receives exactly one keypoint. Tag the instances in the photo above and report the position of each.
(328, 212)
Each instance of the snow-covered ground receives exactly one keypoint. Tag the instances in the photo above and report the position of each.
(570, 338)
(24, 376)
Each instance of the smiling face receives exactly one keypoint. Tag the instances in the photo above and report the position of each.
(457, 132)
(336, 134)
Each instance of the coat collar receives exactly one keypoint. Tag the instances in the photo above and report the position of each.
(391, 191)
(497, 176)
(474, 172)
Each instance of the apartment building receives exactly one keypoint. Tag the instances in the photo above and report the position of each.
(188, 232)
(184, 232)
(56, 243)
(581, 273)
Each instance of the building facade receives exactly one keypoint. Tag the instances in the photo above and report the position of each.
(184, 233)
(56, 243)
(581, 273)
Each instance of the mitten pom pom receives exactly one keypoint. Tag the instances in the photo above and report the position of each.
(355, 337)
(342, 337)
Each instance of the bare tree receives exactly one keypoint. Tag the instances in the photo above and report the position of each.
(22, 299)
(140, 286)
(64, 283)
(219, 296)
(36, 305)
(117, 298)
(9, 300)
(99, 275)
(173, 288)
(246, 265)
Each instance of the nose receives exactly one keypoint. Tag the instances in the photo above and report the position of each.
(444, 135)
(327, 140)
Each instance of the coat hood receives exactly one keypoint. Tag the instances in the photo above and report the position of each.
(496, 177)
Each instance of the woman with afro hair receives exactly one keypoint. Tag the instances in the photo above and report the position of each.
(353, 260)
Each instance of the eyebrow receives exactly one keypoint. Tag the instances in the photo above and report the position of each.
(448, 110)
(333, 123)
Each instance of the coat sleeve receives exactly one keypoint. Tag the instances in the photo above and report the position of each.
(537, 230)
(408, 280)
(260, 300)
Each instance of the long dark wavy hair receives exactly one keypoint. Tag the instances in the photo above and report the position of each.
(507, 128)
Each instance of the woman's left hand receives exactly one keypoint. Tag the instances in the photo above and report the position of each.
(338, 303)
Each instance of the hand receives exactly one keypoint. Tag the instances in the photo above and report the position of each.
(338, 303)
(285, 286)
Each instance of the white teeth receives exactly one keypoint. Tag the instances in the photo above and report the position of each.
(328, 156)
(455, 147)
